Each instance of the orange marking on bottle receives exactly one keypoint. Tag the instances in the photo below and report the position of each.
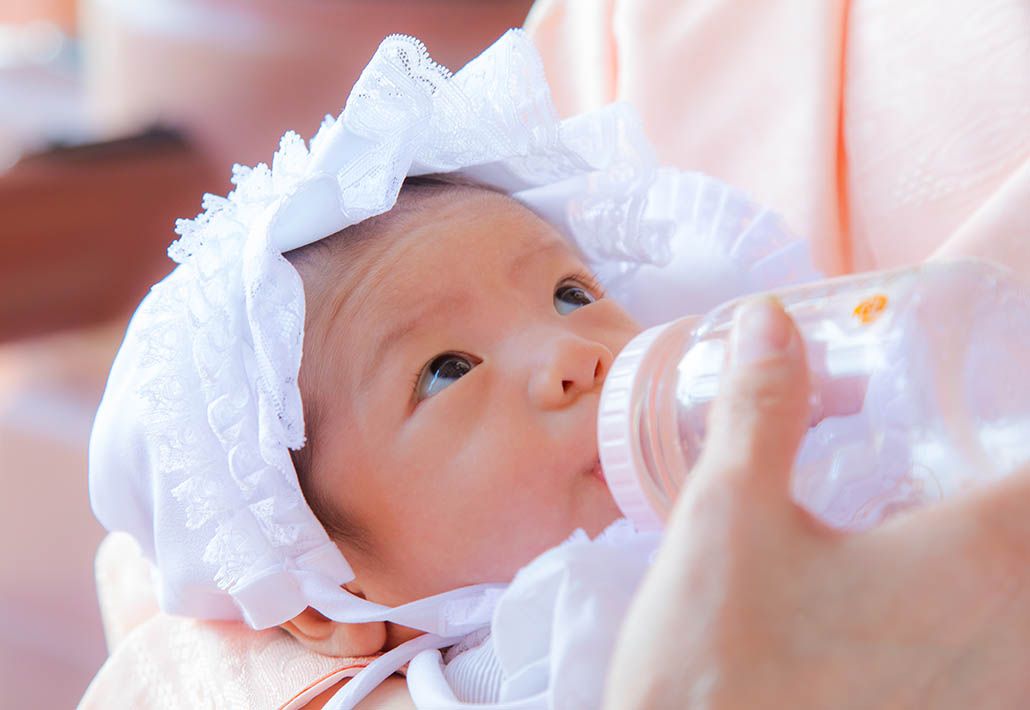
(870, 309)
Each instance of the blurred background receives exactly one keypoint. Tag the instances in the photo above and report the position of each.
(115, 116)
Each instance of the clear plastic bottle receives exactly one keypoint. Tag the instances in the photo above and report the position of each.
(920, 388)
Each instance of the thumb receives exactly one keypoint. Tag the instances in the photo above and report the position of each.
(762, 410)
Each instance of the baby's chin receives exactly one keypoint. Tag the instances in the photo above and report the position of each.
(598, 509)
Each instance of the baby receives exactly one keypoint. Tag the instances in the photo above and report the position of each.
(441, 433)
(455, 440)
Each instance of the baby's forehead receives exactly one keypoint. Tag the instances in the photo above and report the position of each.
(449, 249)
(467, 237)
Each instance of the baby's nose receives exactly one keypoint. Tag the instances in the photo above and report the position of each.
(571, 366)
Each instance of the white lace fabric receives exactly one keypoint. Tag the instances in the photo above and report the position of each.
(190, 449)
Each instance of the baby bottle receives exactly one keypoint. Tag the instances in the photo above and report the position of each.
(920, 387)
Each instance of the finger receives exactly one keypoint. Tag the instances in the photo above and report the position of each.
(762, 410)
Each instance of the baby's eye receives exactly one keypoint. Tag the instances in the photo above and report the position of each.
(570, 296)
(441, 372)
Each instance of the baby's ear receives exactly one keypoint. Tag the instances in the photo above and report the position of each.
(335, 638)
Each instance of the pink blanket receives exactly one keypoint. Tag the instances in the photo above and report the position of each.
(884, 131)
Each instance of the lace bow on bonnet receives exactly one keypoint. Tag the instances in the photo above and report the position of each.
(190, 448)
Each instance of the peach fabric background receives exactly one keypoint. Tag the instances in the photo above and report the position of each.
(882, 130)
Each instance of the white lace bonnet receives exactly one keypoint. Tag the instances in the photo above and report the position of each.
(189, 452)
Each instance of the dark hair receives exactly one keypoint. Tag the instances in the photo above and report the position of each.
(313, 262)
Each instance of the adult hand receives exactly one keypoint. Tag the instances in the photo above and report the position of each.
(752, 603)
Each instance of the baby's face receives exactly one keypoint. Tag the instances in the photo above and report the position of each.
(471, 350)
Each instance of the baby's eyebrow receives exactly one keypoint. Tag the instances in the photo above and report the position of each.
(392, 337)
(520, 262)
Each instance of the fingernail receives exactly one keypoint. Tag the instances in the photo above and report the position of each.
(760, 332)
